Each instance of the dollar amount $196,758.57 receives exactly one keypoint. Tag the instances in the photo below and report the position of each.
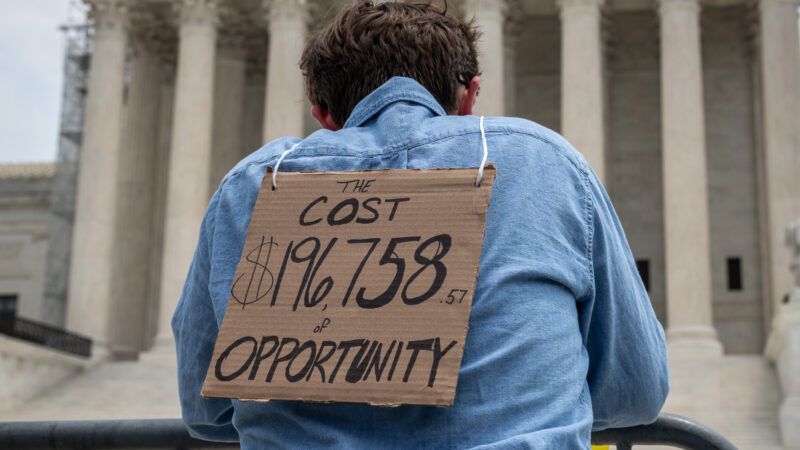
(261, 281)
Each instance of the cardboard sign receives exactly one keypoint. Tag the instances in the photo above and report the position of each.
(354, 287)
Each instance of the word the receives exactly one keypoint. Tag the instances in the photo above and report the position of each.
(361, 185)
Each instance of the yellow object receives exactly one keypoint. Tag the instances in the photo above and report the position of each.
(600, 447)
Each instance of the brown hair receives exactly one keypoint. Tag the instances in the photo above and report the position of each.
(368, 43)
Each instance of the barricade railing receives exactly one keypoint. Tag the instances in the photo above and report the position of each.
(669, 430)
(40, 333)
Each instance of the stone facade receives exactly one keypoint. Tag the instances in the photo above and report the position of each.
(674, 118)
(24, 221)
(688, 111)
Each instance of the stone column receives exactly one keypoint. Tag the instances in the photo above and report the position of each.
(161, 180)
(511, 32)
(285, 104)
(228, 108)
(134, 206)
(190, 157)
(583, 80)
(490, 18)
(686, 223)
(90, 286)
(780, 156)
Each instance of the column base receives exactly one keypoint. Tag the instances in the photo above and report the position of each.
(100, 353)
(163, 348)
(789, 420)
(783, 348)
(693, 342)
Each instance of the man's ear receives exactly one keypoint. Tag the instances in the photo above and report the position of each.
(468, 96)
(324, 118)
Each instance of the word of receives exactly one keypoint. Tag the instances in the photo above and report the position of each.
(319, 328)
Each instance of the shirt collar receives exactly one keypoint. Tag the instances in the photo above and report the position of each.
(397, 89)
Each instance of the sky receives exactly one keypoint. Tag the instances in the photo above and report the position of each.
(31, 58)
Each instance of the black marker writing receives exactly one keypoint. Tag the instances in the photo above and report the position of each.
(261, 280)
(360, 359)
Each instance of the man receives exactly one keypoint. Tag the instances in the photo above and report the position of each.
(562, 338)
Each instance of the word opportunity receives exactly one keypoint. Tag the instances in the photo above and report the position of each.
(360, 283)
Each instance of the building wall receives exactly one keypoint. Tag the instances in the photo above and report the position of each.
(634, 168)
(538, 69)
(730, 145)
(253, 121)
(634, 151)
(24, 221)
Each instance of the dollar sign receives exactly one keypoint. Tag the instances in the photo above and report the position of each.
(261, 278)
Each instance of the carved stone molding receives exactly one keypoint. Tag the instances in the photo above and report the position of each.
(160, 43)
(235, 26)
(198, 12)
(665, 6)
(514, 20)
(485, 6)
(287, 10)
(768, 3)
(580, 6)
(152, 33)
(109, 15)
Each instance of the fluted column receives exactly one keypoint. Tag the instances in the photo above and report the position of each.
(190, 157)
(780, 91)
(285, 99)
(90, 284)
(583, 80)
(688, 260)
(135, 202)
(160, 184)
(490, 18)
(228, 107)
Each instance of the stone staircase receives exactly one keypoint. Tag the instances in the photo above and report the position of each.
(735, 395)
(145, 389)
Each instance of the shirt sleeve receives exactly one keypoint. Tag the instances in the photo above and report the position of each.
(628, 374)
(195, 329)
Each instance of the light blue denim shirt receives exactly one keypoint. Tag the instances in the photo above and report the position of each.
(562, 338)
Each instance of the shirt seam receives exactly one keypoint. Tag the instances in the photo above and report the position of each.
(394, 150)
(361, 116)
(589, 218)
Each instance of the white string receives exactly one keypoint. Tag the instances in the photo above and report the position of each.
(485, 155)
(278, 164)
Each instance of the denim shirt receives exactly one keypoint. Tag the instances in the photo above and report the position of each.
(562, 337)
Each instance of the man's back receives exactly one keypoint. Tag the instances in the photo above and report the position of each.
(561, 332)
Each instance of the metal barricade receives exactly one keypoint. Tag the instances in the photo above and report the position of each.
(669, 430)
(40, 333)
(101, 434)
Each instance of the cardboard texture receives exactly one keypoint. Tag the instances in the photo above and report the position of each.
(354, 287)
